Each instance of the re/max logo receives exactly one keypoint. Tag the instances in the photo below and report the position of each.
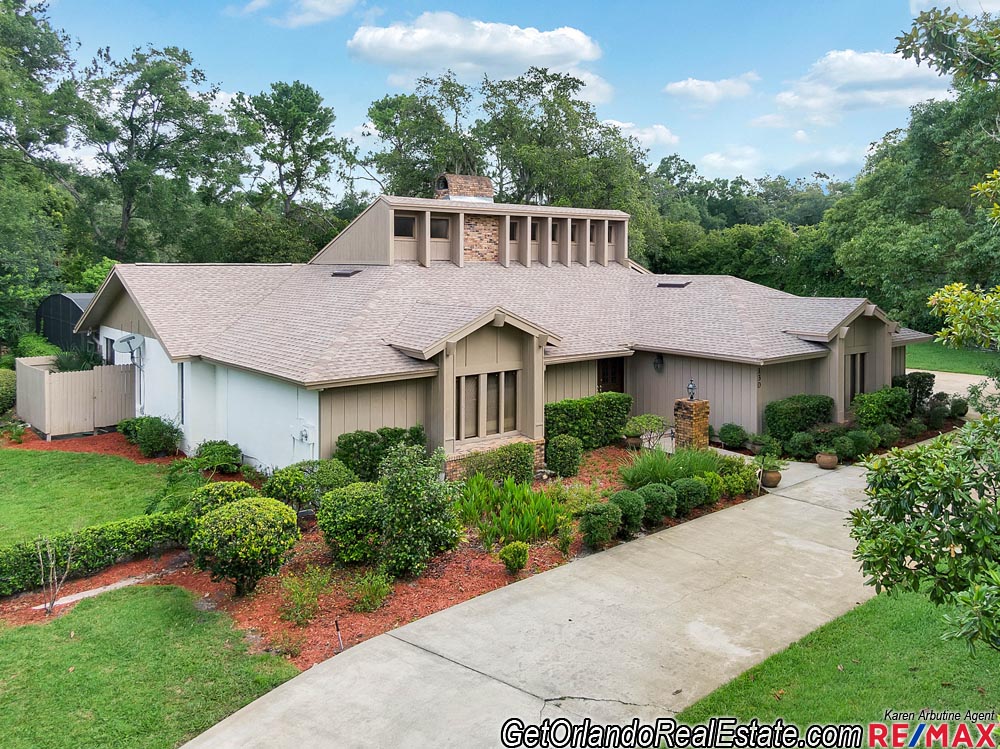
(931, 734)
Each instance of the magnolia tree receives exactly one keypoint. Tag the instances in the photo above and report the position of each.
(933, 521)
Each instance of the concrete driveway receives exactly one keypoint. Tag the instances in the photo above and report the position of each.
(643, 629)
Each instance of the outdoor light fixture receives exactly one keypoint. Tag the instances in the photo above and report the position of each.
(692, 389)
(658, 362)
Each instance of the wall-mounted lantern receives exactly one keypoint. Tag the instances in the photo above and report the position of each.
(658, 362)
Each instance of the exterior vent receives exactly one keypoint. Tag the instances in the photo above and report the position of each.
(345, 272)
(672, 284)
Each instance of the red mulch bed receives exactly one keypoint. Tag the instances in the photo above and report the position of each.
(598, 467)
(110, 443)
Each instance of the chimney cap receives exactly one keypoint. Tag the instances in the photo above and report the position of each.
(463, 187)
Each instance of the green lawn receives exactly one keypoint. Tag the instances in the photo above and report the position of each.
(938, 358)
(43, 492)
(138, 667)
(887, 653)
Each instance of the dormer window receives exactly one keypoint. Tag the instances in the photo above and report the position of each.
(404, 227)
(555, 232)
(534, 231)
(572, 232)
(439, 228)
(513, 231)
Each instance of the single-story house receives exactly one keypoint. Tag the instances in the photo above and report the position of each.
(467, 316)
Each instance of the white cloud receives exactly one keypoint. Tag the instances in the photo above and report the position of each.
(649, 137)
(470, 47)
(800, 136)
(770, 120)
(712, 92)
(843, 161)
(310, 12)
(732, 160)
(972, 7)
(846, 80)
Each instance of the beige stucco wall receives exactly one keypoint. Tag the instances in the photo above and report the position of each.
(369, 407)
(730, 387)
(574, 380)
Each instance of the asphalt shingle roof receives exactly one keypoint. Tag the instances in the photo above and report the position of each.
(300, 323)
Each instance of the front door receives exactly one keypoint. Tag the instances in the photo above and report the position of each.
(611, 375)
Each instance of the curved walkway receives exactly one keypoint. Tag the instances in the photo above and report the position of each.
(643, 629)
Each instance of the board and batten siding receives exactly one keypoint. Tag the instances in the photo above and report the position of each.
(574, 380)
(898, 361)
(370, 407)
(786, 379)
(730, 387)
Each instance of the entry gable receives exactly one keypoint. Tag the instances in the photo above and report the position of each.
(430, 328)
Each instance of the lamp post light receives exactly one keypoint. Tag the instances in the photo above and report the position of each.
(692, 389)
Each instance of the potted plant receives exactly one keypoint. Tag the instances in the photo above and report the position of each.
(633, 436)
(826, 458)
(769, 469)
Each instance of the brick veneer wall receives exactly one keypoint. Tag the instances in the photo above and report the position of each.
(691, 423)
(454, 467)
(466, 185)
(482, 238)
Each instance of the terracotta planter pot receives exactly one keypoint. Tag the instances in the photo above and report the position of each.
(770, 479)
(826, 461)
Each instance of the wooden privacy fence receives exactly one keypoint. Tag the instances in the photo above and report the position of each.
(59, 403)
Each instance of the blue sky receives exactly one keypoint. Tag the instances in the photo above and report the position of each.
(750, 87)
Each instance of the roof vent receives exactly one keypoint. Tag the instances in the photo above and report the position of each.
(345, 272)
(672, 284)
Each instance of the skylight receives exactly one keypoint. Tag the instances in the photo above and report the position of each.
(345, 272)
(672, 284)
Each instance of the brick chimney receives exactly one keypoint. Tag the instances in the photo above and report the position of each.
(463, 187)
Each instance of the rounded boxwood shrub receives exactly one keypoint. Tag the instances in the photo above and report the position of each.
(563, 453)
(937, 415)
(599, 523)
(514, 556)
(244, 541)
(211, 496)
(888, 434)
(350, 519)
(8, 389)
(865, 440)
(733, 436)
(291, 486)
(914, 428)
(713, 481)
(743, 481)
(959, 407)
(844, 447)
(798, 413)
(691, 493)
(661, 502)
(633, 509)
(156, 437)
(331, 474)
(801, 445)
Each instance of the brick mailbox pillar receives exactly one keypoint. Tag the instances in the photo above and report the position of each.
(690, 423)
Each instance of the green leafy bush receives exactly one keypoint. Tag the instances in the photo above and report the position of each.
(34, 344)
(7, 361)
(801, 445)
(691, 493)
(77, 360)
(886, 405)
(514, 556)
(936, 416)
(914, 428)
(350, 519)
(599, 524)
(418, 519)
(919, 385)
(574, 497)
(743, 481)
(209, 497)
(865, 440)
(508, 512)
(302, 592)
(825, 434)
(888, 434)
(596, 420)
(657, 467)
(650, 428)
(153, 435)
(8, 389)
(633, 509)
(563, 453)
(733, 436)
(244, 541)
(798, 413)
(291, 486)
(661, 502)
(715, 485)
(959, 407)
(515, 461)
(219, 455)
(845, 448)
(370, 589)
(94, 548)
(327, 475)
(767, 444)
(363, 452)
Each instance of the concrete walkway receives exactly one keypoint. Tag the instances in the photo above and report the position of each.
(643, 629)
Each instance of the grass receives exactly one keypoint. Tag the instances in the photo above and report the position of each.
(937, 358)
(887, 653)
(139, 667)
(48, 492)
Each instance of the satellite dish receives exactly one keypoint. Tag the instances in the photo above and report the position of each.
(129, 343)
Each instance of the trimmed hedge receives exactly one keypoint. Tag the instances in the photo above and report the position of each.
(733, 436)
(799, 413)
(633, 508)
(919, 385)
(350, 519)
(596, 420)
(8, 389)
(599, 523)
(691, 493)
(563, 453)
(886, 405)
(516, 461)
(209, 497)
(661, 502)
(363, 452)
(93, 548)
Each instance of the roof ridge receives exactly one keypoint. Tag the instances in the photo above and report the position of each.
(737, 301)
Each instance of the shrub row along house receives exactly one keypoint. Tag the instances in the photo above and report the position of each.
(467, 316)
